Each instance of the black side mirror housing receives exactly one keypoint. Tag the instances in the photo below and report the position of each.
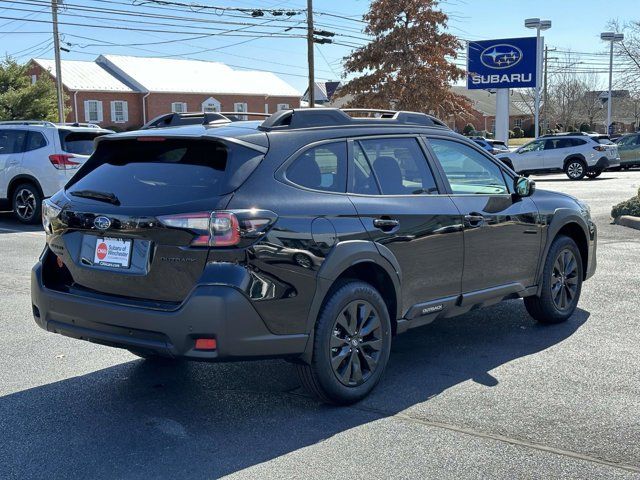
(524, 187)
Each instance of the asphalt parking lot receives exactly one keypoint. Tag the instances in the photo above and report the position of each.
(487, 395)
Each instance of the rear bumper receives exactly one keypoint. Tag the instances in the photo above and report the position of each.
(211, 311)
(605, 163)
(593, 244)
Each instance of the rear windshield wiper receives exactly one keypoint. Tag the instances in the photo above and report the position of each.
(95, 195)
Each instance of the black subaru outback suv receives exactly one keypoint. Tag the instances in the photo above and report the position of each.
(314, 236)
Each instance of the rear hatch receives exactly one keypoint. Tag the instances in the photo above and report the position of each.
(609, 148)
(135, 218)
(76, 147)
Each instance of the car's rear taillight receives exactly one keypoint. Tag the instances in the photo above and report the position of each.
(600, 148)
(62, 161)
(212, 229)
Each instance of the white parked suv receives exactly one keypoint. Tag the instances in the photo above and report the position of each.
(576, 154)
(37, 158)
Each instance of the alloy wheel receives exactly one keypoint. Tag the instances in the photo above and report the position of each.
(564, 280)
(575, 169)
(25, 203)
(356, 343)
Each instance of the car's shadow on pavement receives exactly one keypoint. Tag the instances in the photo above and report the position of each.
(142, 419)
(556, 180)
(9, 224)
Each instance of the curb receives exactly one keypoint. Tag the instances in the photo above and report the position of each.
(628, 221)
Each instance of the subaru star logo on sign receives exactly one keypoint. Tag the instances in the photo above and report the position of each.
(101, 223)
(506, 63)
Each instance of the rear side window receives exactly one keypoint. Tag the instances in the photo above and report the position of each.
(577, 142)
(79, 143)
(165, 172)
(399, 166)
(35, 140)
(12, 141)
(323, 167)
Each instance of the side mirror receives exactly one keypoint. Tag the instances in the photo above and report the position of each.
(524, 187)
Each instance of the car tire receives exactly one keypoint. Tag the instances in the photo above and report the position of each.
(594, 174)
(26, 202)
(561, 283)
(575, 169)
(347, 364)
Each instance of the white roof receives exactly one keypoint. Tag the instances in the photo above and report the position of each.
(78, 75)
(194, 76)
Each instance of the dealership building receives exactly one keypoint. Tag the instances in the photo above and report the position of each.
(126, 92)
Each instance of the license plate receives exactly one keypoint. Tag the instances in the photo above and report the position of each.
(112, 252)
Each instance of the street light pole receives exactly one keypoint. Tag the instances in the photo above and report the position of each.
(539, 25)
(610, 37)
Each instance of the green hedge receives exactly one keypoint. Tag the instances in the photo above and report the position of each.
(628, 207)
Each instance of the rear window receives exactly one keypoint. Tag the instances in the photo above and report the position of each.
(604, 140)
(79, 143)
(165, 172)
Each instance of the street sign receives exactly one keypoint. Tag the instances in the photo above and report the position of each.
(505, 63)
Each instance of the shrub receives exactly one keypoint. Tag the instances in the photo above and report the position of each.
(511, 134)
(571, 128)
(628, 207)
(468, 129)
(585, 127)
(518, 132)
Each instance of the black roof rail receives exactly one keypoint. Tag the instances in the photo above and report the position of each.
(330, 117)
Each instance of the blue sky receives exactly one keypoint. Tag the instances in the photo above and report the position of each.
(576, 26)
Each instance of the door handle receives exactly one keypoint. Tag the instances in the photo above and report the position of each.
(474, 219)
(385, 224)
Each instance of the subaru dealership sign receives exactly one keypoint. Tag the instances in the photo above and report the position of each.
(506, 63)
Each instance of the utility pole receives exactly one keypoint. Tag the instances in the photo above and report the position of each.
(545, 98)
(56, 48)
(311, 97)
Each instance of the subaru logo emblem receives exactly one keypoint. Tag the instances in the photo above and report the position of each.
(500, 56)
(101, 222)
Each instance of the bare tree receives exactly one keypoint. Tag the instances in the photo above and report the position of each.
(565, 91)
(627, 55)
(589, 103)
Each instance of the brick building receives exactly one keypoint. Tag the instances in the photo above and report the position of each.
(484, 111)
(126, 92)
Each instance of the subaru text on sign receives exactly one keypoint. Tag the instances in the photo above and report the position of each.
(506, 63)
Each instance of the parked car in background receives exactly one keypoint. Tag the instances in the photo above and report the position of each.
(37, 158)
(629, 148)
(312, 236)
(576, 154)
(492, 146)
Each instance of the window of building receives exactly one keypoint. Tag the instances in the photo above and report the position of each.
(240, 107)
(93, 111)
(211, 105)
(119, 111)
(34, 79)
(468, 171)
(517, 123)
(398, 164)
(321, 168)
(180, 107)
(283, 106)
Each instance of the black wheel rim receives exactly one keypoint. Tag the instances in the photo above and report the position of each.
(356, 343)
(575, 169)
(25, 203)
(564, 280)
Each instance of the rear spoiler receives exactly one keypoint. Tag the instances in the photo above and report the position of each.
(199, 118)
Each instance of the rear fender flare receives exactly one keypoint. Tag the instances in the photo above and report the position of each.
(344, 255)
